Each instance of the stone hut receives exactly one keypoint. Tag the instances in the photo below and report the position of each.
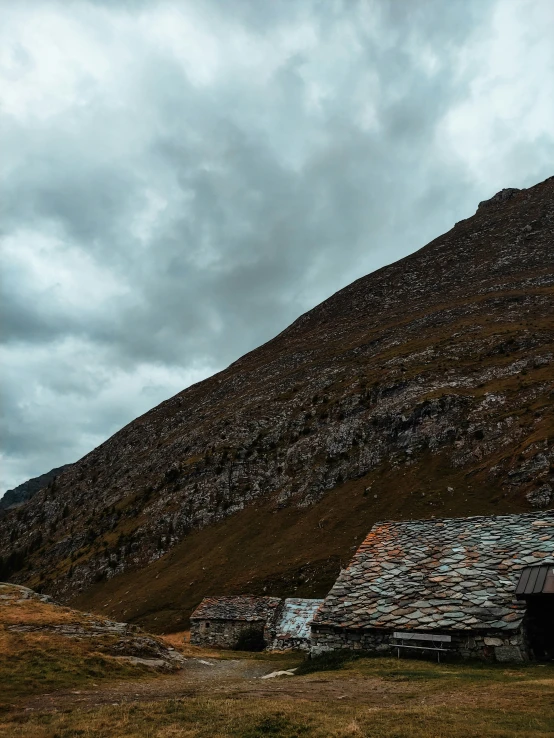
(219, 622)
(478, 587)
(292, 628)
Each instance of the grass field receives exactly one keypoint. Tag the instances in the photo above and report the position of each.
(376, 698)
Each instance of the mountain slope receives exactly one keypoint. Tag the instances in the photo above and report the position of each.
(422, 389)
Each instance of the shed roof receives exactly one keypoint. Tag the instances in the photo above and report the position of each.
(246, 607)
(456, 573)
(536, 580)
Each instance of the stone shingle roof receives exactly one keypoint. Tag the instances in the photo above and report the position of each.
(246, 607)
(295, 618)
(457, 574)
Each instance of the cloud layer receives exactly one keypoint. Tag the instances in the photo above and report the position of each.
(181, 180)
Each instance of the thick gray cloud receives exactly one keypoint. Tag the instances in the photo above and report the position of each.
(181, 180)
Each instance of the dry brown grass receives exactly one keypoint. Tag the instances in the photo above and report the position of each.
(35, 663)
(377, 698)
(41, 660)
(179, 639)
(35, 613)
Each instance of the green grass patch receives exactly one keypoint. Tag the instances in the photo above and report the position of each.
(275, 724)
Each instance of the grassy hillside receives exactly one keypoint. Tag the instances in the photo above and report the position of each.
(46, 647)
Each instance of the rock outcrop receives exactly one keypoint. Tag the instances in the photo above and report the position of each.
(41, 615)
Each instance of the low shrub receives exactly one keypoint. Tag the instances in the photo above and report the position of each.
(277, 724)
(329, 661)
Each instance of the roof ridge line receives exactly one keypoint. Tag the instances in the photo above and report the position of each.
(538, 515)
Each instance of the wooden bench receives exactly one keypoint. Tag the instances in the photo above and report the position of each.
(435, 642)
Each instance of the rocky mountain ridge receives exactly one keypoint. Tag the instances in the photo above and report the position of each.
(23, 492)
(422, 389)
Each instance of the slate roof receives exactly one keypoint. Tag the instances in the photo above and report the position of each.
(295, 618)
(456, 574)
(247, 607)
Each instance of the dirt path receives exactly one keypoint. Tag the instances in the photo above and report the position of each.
(233, 678)
(192, 678)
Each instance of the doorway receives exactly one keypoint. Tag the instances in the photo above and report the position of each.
(540, 626)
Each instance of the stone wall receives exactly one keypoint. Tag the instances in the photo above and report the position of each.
(493, 646)
(288, 644)
(221, 633)
(331, 639)
(490, 646)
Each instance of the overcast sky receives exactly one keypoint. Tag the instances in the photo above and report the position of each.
(182, 179)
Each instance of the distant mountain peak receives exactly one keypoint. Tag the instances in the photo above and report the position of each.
(502, 196)
(23, 492)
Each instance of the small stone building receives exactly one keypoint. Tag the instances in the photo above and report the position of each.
(219, 622)
(479, 586)
(292, 628)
